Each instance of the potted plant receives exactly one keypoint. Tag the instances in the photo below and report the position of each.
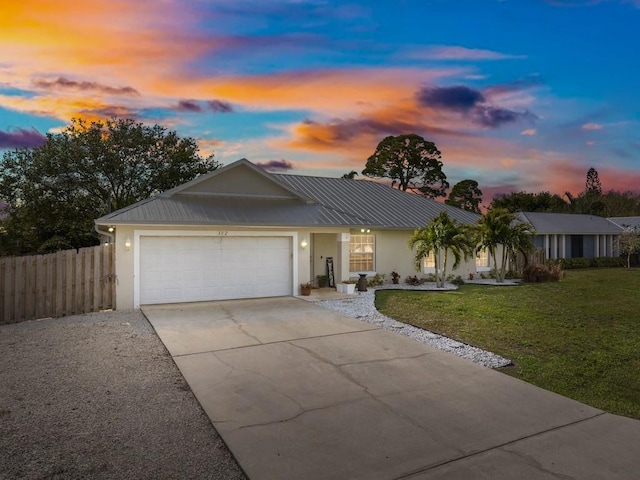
(348, 286)
(395, 277)
(305, 289)
(322, 280)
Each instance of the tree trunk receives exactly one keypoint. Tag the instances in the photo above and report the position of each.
(444, 270)
(495, 263)
(503, 266)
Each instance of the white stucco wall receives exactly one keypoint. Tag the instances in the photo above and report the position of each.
(393, 254)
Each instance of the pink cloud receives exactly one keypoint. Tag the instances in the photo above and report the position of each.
(592, 126)
(21, 138)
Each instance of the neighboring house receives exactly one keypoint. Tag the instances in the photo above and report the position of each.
(626, 222)
(240, 232)
(570, 235)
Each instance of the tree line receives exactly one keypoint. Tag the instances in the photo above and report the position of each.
(53, 193)
(414, 164)
(50, 195)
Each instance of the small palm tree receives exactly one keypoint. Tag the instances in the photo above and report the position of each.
(500, 228)
(441, 236)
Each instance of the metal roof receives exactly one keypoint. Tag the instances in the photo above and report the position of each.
(624, 222)
(376, 202)
(206, 210)
(319, 201)
(568, 223)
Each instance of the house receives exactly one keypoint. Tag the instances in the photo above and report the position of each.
(626, 222)
(240, 232)
(570, 235)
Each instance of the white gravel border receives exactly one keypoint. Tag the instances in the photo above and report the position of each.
(361, 306)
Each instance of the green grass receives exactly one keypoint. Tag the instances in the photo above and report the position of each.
(579, 337)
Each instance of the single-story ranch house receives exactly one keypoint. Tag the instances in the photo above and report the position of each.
(240, 232)
(626, 222)
(570, 235)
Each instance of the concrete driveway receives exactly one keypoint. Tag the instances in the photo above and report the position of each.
(300, 392)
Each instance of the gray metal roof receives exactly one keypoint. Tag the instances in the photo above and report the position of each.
(205, 210)
(319, 201)
(624, 222)
(568, 223)
(377, 203)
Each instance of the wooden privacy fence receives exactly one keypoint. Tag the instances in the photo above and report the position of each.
(536, 257)
(58, 284)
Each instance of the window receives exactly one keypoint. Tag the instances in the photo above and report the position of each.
(362, 250)
(482, 259)
(429, 262)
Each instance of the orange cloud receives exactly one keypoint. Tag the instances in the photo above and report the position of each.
(592, 126)
(329, 91)
(110, 47)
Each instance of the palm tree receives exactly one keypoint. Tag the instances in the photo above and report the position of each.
(500, 228)
(441, 236)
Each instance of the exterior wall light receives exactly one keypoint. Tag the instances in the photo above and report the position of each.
(111, 229)
(127, 244)
(304, 243)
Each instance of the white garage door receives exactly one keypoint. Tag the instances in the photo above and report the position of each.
(192, 269)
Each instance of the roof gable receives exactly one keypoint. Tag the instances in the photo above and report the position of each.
(242, 194)
(239, 179)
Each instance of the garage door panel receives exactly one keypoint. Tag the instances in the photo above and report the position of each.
(187, 269)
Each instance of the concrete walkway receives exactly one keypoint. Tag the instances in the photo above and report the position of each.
(300, 392)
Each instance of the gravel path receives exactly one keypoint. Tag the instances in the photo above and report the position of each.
(362, 307)
(98, 396)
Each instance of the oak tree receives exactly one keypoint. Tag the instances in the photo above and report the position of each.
(54, 192)
(411, 162)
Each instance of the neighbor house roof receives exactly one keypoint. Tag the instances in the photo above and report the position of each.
(568, 223)
(222, 197)
(625, 222)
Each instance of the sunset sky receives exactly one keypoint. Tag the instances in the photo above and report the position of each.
(517, 94)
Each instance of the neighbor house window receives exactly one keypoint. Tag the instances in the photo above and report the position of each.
(362, 249)
(482, 258)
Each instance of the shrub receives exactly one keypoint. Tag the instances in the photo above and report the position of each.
(415, 280)
(582, 262)
(376, 280)
(551, 272)
(457, 281)
(511, 274)
(571, 263)
(609, 262)
(54, 244)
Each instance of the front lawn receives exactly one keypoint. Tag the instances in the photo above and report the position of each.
(579, 337)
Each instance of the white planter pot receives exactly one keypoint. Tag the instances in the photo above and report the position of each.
(349, 287)
(339, 287)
